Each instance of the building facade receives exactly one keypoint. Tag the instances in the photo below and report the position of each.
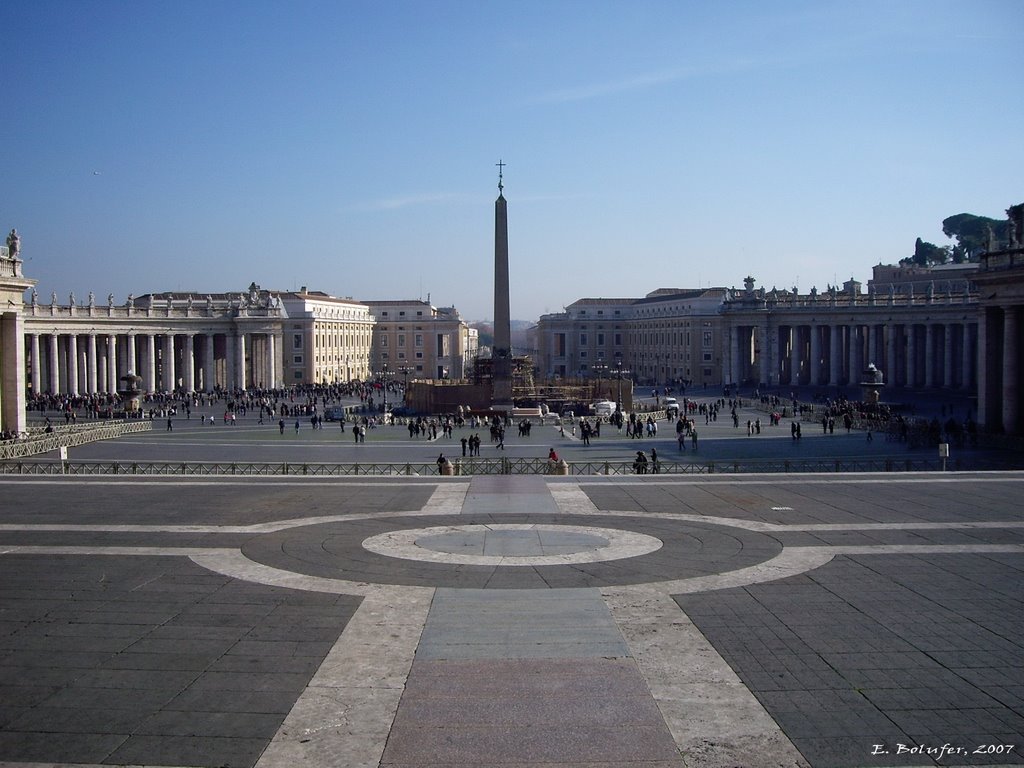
(919, 335)
(196, 342)
(669, 337)
(327, 340)
(421, 341)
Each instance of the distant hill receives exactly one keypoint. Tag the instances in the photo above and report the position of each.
(485, 331)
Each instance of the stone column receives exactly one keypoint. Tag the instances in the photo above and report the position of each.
(1011, 413)
(969, 358)
(835, 355)
(54, 371)
(987, 375)
(765, 358)
(240, 361)
(890, 354)
(149, 377)
(36, 371)
(130, 355)
(169, 374)
(13, 401)
(815, 355)
(910, 329)
(794, 355)
(72, 365)
(734, 356)
(210, 364)
(113, 382)
(947, 357)
(271, 361)
(853, 362)
(91, 368)
(929, 355)
(189, 364)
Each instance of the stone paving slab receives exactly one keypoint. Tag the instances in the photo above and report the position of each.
(128, 693)
(852, 657)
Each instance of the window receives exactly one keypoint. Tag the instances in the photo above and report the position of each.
(600, 339)
(707, 357)
(618, 339)
(297, 341)
(583, 339)
(298, 374)
(707, 339)
(419, 356)
(401, 339)
(383, 341)
(297, 359)
(419, 341)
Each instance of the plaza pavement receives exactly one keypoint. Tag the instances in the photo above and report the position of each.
(514, 621)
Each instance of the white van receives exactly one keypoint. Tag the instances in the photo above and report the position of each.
(603, 408)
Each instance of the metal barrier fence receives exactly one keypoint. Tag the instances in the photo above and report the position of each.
(39, 441)
(498, 466)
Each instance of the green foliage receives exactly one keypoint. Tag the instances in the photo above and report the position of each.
(971, 233)
(928, 254)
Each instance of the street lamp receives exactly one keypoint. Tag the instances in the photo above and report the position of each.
(383, 374)
(405, 370)
(619, 373)
(600, 369)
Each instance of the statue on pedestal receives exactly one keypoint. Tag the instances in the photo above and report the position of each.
(13, 244)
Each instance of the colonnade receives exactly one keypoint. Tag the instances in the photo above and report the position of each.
(76, 363)
(911, 354)
(1000, 398)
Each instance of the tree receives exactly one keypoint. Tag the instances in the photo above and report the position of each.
(928, 254)
(971, 233)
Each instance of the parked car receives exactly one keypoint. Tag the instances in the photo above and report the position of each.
(671, 407)
(334, 413)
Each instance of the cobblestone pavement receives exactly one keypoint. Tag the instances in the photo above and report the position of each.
(825, 620)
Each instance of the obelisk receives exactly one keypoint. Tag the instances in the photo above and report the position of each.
(501, 356)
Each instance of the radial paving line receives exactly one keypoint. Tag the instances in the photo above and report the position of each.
(713, 717)
(345, 714)
(447, 498)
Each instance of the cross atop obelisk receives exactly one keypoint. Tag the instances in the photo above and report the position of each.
(501, 166)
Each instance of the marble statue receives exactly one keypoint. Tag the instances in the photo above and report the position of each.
(13, 244)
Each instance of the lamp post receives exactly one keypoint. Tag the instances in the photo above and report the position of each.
(600, 369)
(619, 373)
(383, 374)
(405, 370)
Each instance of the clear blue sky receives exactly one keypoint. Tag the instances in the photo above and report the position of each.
(351, 147)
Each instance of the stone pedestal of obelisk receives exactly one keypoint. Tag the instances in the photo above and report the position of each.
(501, 356)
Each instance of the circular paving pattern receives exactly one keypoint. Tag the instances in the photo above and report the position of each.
(346, 550)
(516, 545)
